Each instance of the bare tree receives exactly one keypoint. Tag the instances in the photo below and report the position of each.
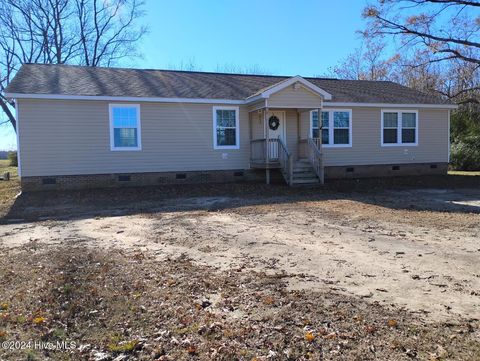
(367, 62)
(438, 47)
(449, 29)
(85, 32)
(189, 64)
(238, 69)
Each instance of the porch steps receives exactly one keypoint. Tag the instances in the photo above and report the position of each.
(303, 173)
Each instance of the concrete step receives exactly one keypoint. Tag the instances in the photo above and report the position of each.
(302, 164)
(302, 170)
(304, 175)
(305, 181)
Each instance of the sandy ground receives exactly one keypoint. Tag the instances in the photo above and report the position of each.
(414, 249)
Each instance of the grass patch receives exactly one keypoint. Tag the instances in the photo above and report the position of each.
(8, 189)
(465, 173)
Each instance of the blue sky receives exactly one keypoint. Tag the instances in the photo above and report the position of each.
(286, 37)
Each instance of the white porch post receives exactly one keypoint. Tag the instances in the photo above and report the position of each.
(320, 139)
(267, 136)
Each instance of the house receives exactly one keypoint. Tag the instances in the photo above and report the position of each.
(86, 127)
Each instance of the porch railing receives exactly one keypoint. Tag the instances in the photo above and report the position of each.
(316, 157)
(258, 150)
(286, 162)
(277, 154)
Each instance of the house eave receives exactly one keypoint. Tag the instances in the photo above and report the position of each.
(390, 105)
(122, 98)
(216, 101)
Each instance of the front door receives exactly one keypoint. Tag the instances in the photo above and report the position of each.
(276, 129)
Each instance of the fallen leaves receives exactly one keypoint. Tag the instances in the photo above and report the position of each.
(309, 337)
(268, 300)
(39, 320)
(192, 350)
(194, 311)
(392, 323)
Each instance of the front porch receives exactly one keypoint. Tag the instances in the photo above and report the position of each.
(292, 150)
(280, 131)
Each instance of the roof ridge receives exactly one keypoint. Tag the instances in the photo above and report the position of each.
(183, 71)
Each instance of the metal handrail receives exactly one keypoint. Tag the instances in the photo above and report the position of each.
(286, 161)
(315, 156)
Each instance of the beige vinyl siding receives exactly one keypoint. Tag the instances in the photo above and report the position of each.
(73, 137)
(291, 131)
(258, 128)
(366, 140)
(59, 137)
(291, 98)
(256, 105)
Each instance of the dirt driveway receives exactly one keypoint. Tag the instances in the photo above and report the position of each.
(416, 249)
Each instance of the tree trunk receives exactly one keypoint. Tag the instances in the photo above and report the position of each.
(9, 114)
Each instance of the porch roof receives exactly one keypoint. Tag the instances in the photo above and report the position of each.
(275, 88)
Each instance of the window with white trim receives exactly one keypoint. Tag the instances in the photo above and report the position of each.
(399, 127)
(324, 128)
(226, 133)
(336, 127)
(125, 131)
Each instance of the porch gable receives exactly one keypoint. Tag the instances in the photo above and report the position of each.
(289, 87)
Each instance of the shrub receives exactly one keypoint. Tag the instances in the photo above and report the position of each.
(465, 153)
(12, 157)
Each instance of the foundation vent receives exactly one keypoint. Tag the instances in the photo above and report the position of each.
(124, 178)
(180, 176)
(396, 167)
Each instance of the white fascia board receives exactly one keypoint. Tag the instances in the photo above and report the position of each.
(216, 101)
(120, 98)
(390, 105)
(255, 98)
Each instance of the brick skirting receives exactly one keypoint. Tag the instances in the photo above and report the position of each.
(386, 170)
(224, 176)
(137, 179)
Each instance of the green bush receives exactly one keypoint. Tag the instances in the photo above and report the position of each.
(12, 157)
(465, 153)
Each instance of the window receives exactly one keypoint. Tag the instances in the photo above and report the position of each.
(399, 127)
(125, 127)
(225, 128)
(336, 127)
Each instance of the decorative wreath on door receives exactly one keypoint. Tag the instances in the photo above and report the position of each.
(273, 122)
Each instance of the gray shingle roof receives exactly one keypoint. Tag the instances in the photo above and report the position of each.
(79, 80)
